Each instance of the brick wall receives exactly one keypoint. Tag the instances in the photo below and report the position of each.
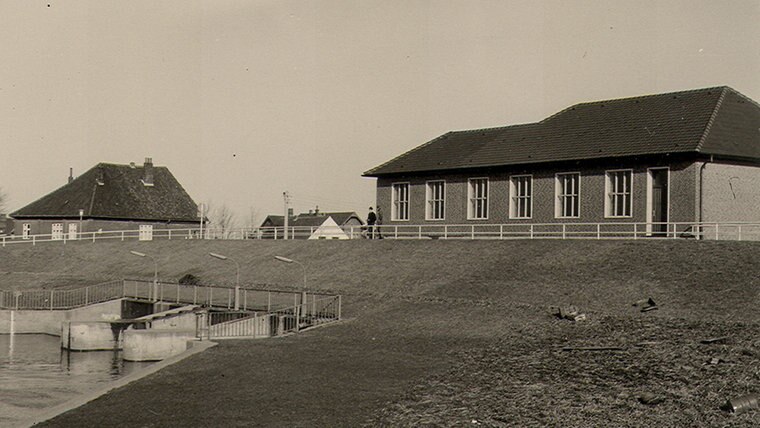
(592, 195)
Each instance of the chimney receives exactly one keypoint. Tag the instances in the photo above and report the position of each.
(71, 175)
(316, 210)
(148, 171)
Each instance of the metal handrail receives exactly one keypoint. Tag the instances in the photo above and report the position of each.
(265, 300)
(565, 230)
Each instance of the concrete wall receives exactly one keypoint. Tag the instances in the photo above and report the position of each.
(730, 193)
(184, 321)
(592, 195)
(49, 322)
(154, 345)
(90, 336)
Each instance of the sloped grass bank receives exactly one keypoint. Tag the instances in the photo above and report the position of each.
(447, 332)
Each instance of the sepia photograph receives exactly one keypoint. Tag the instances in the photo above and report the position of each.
(380, 213)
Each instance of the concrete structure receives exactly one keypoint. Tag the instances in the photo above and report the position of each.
(690, 156)
(154, 345)
(110, 197)
(50, 322)
(91, 335)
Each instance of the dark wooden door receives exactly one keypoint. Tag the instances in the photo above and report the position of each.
(659, 201)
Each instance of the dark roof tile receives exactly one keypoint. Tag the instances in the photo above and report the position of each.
(647, 125)
(121, 196)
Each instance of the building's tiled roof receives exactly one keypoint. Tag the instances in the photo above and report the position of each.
(310, 219)
(712, 121)
(121, 196)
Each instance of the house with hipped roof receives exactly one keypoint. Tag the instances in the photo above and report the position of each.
(314, 224)
(110, 197)
(690, 156)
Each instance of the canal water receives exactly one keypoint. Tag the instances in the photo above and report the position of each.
(36, 374)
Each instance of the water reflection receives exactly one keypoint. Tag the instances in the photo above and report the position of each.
(35, 374)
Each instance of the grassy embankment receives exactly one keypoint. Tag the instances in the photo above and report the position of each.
(447, 333)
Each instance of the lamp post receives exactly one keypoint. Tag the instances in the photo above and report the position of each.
(303, 289)
(81, 213)
(237, 277)
(287, 260)
(155, 272)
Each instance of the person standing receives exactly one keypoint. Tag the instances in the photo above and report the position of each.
(371, 219)
(379, 223)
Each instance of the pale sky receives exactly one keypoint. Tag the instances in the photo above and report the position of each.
(243, 100)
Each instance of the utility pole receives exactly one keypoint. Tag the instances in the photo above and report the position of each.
(201, 208)
(286, 199)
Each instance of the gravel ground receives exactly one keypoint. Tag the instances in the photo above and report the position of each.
(663, 376)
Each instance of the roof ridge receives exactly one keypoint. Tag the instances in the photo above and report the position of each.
(407, 152)
(744, 97)
(711, 120)
(635, 97)
(493, 128)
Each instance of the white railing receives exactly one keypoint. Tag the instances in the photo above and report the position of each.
(739, 231)
(204, 295)
(310, 311)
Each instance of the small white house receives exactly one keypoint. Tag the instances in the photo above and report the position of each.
(329, 229)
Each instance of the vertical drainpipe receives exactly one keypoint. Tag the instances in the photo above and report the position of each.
(701, 191)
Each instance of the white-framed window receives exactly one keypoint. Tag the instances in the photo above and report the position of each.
(73, 228)
(146, 232)
(477, 195)
(521, 196)
(56, 231)
(436, 200)
(400, 202)
(567, 191)
(619, 191)
(26, 230)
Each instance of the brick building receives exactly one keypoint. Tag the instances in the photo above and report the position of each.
(691, 156)
(110, 197)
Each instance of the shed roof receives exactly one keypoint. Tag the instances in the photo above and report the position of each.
(122, 196)
(713, 121)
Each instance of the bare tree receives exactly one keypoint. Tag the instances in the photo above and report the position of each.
(3, 198)
(253, 217)
(221, 219)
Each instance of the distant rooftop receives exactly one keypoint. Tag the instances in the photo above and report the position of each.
(114, 191)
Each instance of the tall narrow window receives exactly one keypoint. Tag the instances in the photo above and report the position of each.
(400, 200)
(436, 200)
(73, 231)
(619, 186)
(567, 190)
(57, 231)
(477, 193)
(26, 230)
(521, 191)
(146, 232)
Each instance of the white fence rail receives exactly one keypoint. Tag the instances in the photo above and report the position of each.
(203, 295)
(738, 231)
(235, 324)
